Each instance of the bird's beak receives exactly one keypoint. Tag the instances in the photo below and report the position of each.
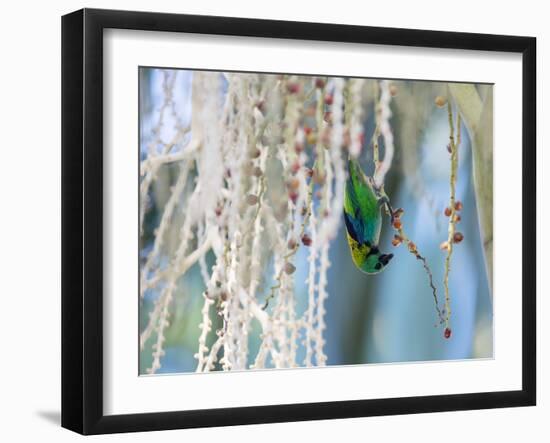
(385, 258)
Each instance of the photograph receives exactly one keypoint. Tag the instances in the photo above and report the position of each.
(295, 221)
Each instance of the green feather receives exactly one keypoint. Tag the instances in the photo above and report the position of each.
(363, 221)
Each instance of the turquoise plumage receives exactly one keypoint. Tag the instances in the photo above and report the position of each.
(363, 219)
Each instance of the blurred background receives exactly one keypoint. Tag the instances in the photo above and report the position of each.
(389, 317)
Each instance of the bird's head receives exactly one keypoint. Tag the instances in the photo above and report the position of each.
(375, 263)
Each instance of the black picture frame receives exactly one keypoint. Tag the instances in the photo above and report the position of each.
(82, 220)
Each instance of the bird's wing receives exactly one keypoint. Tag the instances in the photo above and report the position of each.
(361, 208)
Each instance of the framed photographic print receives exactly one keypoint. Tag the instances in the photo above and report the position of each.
(270, 221)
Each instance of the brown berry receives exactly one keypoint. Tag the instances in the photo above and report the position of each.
(458, 237)
(257, 171)
(281, 212)
(447, 333)
(319, 177)
(448, 211)
(248, 168)
(278, 139)
(251, 199)
(309, 172)
(311, 138)
(319, 83)
(396, 241)
(458, 205)
(329, 99)
(412, 247)
(397, 223)
(457, 218)
(346, 139)
(292, 244)
(449, 148)
(261, 106)
(306, 240)
(293, 183)
(223, 295)
(310, 111)
(444, 246)
(325, 135)
(289, 268)
(440, 101)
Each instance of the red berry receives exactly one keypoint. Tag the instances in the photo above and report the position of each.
(447, 333)
(306, 240)
(293, 195)
(458, 205)
(319, 83)
(329, 99)
(293, 88)
(458, 237)
(448, 211)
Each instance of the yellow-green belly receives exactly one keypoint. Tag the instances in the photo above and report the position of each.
(358, 252)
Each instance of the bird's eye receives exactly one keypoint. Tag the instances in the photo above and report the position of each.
(378, 266)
